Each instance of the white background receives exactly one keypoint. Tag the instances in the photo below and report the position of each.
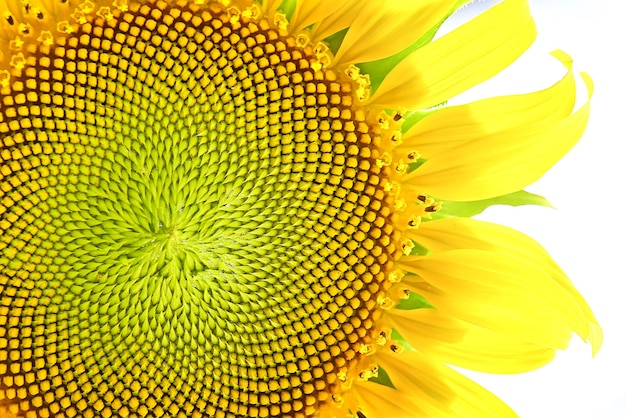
(586, 234)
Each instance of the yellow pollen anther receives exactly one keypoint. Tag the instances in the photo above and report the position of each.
(16, 44)
(401, 167)
(252, 12)
(86, 7)
(234, 14)
(24, 29)
(366, 349)
(325, 60)
(407, 246)
(105, 13)
(383, 120)
(400, 204)
(302, 40)
(368, 373)
(384, 160)
(37, 13)
(5, 78)
(337, 399)
(122, 5)
(385, 302)
(363, 88)
(281, 21)
(65, 27)
(391, 186)
(324, 56)
(18, 61)
(396, 276)
(342, 375)
(46, 38)
(79, 17)
(363, 85)
(381, 339)
(320, 49)
(353, 72)
(413, 156)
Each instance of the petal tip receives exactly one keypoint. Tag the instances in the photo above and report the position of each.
(564, 57)
(595, 338)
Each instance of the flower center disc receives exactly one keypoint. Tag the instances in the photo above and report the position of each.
(193, 221)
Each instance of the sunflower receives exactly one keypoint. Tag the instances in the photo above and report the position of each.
(233, 208)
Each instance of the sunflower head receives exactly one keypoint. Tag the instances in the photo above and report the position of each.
(241, 209)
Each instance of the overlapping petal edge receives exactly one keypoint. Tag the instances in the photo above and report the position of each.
(467, 293)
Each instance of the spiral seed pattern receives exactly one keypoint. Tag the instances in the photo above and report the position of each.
(193, 221)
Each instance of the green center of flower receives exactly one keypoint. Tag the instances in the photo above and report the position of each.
(193, 220)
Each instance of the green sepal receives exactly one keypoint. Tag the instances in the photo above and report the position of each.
(382, 378)
(416, 164)
(451, 209)
(288, 7)
(414, 116)
(419, 249)
(334, 41)
(414, 301)
(379, 69)
(397, 337)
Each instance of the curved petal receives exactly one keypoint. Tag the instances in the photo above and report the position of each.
(376, 400)
(459, 233)
(459, 60)
(270, 6)
(466, 345)
(500, 292)
(438, 390)
(500, 163)
(385, 28)
(309, 12)
(455, 125)
(342, 17)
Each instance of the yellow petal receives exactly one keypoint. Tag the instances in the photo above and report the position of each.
(270, 6)
(466, 345)
(309, 12)
(500, 163)
(385, 28)
(438, 390)
(459, 60)
(497, 291)
(454, 125)
(459, 233)
(376, 400)
(341, 18)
